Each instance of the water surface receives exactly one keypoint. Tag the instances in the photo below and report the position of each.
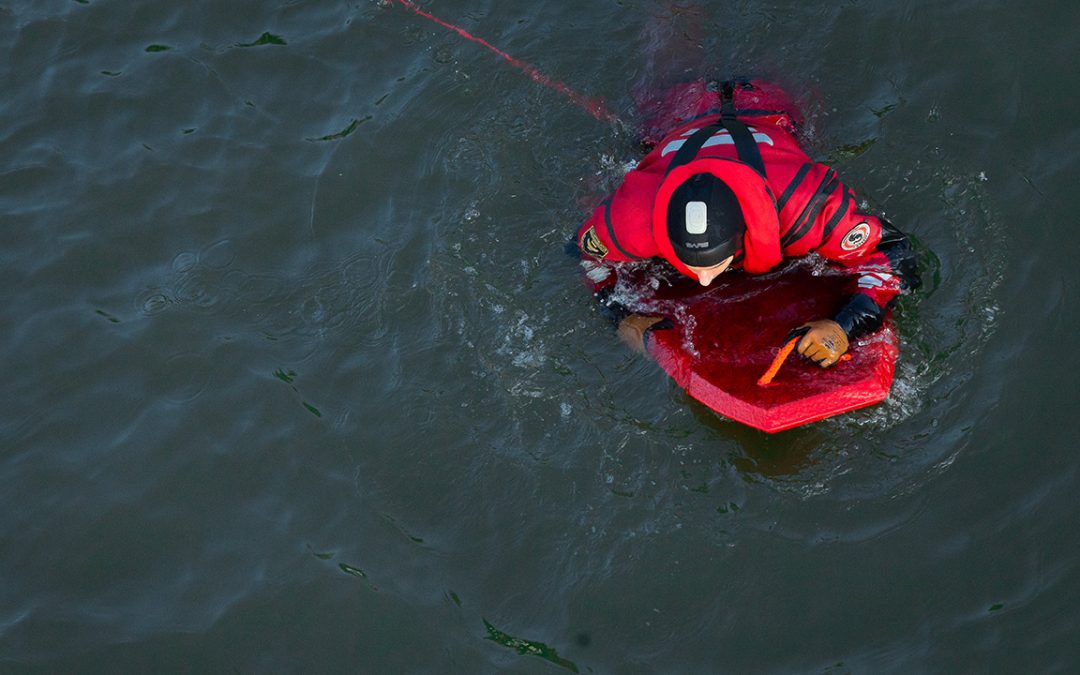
(299, 376)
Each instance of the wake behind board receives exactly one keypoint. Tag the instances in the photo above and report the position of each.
(726, 335)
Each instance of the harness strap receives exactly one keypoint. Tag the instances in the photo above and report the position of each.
(745, 145)
(690, 148)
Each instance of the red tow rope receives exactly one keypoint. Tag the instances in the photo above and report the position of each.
(593, 106)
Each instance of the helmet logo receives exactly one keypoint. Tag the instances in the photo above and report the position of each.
(696, 218)
(856, 236)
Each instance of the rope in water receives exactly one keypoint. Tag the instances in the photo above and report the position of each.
(593, 106)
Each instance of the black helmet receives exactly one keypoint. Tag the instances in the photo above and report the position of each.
(704, 221)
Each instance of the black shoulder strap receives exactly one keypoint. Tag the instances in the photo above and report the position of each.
(690, 148)
(745, 145)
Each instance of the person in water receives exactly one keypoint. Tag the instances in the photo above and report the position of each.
(727, 187)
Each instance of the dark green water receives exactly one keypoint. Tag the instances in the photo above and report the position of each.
(298, 377)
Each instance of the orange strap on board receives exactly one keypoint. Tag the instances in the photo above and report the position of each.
(781, 356)
(774, 368)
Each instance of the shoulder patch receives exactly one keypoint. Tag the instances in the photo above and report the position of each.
(856, 236)
(591, 244)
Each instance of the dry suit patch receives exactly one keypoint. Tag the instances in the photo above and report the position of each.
(591, 244)
(856, 236)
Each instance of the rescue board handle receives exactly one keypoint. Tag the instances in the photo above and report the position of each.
(781, 356)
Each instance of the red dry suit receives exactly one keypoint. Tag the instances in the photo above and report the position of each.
(792, 205)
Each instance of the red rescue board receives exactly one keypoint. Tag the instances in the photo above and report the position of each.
(726, 336)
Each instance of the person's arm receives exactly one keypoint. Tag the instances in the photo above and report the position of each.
(619, 231)
(887, 273)
(620, 228)
(881, 259)
(632, 328)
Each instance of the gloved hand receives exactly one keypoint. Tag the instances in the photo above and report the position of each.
(633, 328)
(824, 342)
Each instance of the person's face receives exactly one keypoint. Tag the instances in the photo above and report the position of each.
(706, 274)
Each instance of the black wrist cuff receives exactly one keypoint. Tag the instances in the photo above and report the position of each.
(860, 316)
(613, 310)
(662, 324)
